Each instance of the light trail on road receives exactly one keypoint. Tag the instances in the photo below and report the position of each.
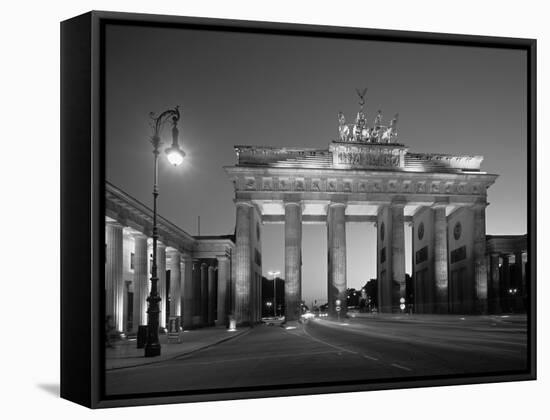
(325, 351)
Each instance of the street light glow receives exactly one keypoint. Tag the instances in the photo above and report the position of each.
(175, 155)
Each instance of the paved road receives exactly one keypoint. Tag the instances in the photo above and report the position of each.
(323, 350)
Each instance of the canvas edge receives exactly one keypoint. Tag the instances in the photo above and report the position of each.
(75, 177)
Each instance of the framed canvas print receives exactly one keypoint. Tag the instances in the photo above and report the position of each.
(255, 209)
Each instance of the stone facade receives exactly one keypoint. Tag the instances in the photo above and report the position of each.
(179, 255)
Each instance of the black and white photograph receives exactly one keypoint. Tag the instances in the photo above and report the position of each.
(295, 210)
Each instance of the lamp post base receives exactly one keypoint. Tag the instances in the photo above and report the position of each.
(152, 350)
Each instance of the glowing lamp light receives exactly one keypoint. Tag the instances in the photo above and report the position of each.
(175, 155)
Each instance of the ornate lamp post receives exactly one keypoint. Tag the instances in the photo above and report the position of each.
(175, 157)
(273, 274)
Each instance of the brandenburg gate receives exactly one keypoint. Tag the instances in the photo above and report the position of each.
(365, 175)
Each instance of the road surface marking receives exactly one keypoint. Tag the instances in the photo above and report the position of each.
(328, 344)
(189, 362)
(401, 367)
(370, 357)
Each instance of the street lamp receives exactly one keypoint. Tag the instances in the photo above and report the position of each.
(273, 274)
(175, 157)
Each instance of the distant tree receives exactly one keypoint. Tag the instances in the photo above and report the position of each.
(409, 289)
(353, 297)
(371, 292)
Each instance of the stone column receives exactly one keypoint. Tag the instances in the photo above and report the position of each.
(211, 294)
(480, 262)
(241, 293)
(520, 269)
(187, 292)
(223, 282)
(507, 301)
(398, 252)
(204, 294)
(336, 231)
(441, 272)
(175, 283)
(141, 281)
(495, 284)
(125, 302)
(161, 271)
(383, 259)
(114, 285)
(293, 260)
(196, 278)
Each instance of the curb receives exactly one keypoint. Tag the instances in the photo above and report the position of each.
(182, 354)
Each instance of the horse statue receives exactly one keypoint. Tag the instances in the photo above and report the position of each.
(376, 130)
(343, 129)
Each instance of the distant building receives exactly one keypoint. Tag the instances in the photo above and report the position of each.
(509, 271)
(270, 289)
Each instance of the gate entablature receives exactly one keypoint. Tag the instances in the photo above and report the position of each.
(270, 187)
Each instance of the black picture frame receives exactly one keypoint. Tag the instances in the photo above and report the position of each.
(83, 203)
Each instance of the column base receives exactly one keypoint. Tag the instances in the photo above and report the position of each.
(152, 350)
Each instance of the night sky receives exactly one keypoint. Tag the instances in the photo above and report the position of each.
(286, 91)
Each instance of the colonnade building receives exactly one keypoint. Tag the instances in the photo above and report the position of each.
(508, 273)
(365, 175)
(194, 272)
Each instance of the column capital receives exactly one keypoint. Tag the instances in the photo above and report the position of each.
(337, 204)
(398, 200)
(204, 265)
(482, 204)
(172, 251)
(440, 202)
(242, 202)
(139, 235)
(114, 223)
(222, 258)
(292, 203)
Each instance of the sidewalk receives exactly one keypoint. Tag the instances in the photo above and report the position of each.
(124, 354)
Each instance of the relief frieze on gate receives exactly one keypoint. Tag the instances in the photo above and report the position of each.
(397, 185)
